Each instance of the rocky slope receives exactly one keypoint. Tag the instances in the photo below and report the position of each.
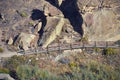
(101, 19)
(64, 20)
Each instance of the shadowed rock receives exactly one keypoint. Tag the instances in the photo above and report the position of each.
(52, 30)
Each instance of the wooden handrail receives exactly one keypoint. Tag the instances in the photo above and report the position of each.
(70, 47)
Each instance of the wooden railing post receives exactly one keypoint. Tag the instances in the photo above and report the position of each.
(71, 46)
(59, 47)
(83, 45)
(48, 49)
(95, 44)
(24, 52)
(106, 44)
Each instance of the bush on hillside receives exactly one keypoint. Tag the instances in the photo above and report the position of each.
(1, 50)
(108, 51)
(94, 71)
(26, 72)
(4, 70)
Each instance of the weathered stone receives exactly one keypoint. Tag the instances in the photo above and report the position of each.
(24, 40)
(101, 25)
(38, 28)
(85, 4)
(10, 41)
(5, 77)
(52, 30)
(60, 2)
(50, 10)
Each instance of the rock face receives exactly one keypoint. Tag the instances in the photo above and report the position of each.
(101, 19)
(66, 20)
(25, 40)
(50, 10)
(38, 28)
(101, 25)
(52, 30)
(10, 41)
(6, 77)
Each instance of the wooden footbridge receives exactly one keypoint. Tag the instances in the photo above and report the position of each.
(66, 46)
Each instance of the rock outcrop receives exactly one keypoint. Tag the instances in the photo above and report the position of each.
(10, 41)
(101, 25)
(37, 28)
(50, 10)
(25, 41)
(5, 77)
(52, 30)
(66, 20)
(101, 19)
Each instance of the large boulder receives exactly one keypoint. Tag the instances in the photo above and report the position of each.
(101, 25)
(50, 10)
(69, 35)
(26, 40)
(52, 30)
(10, 41)
(5, 77)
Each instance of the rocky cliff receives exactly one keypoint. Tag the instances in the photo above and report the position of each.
(64, 20)
(101, 19)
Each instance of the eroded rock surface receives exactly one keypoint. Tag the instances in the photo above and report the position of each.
(101, 20)
(98, 20)
(52, 30)
(25, 41)
(50, 10)
(6, 77)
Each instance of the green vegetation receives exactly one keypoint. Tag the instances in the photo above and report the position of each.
(31, 23)
(97, 49)
(90, 71)
(15, 61)
(26, 72)
(109, 51)
(94, 71)
(1, 50)
(23, 14)
(72, 65)
(4, 70)
(83, 70)
(84, 39)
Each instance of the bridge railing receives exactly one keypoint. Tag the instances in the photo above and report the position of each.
(75, 45)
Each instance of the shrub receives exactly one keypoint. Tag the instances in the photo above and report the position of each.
(1, 50)
(72, 65)
(22, 13)
(31, 23)
(97, 49)
(26, 72)
(108, 51)
(14, 61)
(94, 71)
(4, 70)
(84, 39)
